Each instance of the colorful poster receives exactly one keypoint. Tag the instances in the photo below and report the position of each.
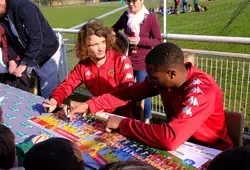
(88, 133)
(98, 147)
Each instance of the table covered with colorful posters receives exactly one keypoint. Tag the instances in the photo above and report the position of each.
(18, 107)
(23, 113)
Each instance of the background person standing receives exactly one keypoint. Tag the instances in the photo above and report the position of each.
(39, 45)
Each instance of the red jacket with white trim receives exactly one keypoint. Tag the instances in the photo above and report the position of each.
(117, 71)
(194, 111)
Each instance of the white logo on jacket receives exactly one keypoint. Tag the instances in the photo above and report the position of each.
(187, 110)
(196, 90)
(193, 101)
(129, 76)
(123, 58)
(197, 82)
(88, 73)
(130, 84)
(126, 66)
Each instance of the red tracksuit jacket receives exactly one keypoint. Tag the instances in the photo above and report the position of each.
(115, 72)
(194, 111)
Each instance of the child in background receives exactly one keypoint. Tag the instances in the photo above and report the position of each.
(171, 9)
(11, 155)
(203, 8)
(54, 154)
(190, 9)
(184, 4)
(189, 57)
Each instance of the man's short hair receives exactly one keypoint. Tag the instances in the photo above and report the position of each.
(127, 165)
(53, 154)
(7, 148)
(164, 55)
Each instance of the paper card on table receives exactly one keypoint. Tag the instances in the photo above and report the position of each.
(189, 158)
(105, 115)
(206, 152)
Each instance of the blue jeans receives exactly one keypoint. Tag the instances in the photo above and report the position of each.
(47, 74)
(140, 76)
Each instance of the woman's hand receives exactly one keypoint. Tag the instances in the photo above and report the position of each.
(134, 40)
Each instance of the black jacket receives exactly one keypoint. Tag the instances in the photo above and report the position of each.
(35, 35)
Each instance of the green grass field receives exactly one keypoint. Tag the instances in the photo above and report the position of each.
(66, 17)
(212, 22)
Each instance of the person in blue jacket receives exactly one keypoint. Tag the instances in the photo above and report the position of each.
(38, 44)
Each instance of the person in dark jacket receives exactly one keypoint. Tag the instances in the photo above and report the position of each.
(39, 45)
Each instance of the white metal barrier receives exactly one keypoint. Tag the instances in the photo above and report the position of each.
(231, 70)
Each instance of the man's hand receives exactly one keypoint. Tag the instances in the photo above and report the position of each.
(113, 123)
(12, 66)
(78, 107)
(39, 138)
(19, 70)
(49, 105)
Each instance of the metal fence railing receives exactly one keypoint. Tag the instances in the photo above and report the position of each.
(230, 70)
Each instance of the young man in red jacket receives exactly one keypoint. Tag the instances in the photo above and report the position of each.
(101, 69)
(192, 101)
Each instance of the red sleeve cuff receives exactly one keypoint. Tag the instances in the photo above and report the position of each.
(124, 125)
(92, 107)
(59, 102)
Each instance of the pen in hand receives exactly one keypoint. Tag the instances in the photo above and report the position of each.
(67, 113)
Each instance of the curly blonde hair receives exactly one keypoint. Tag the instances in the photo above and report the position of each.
(93, 27)
(189, 57)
